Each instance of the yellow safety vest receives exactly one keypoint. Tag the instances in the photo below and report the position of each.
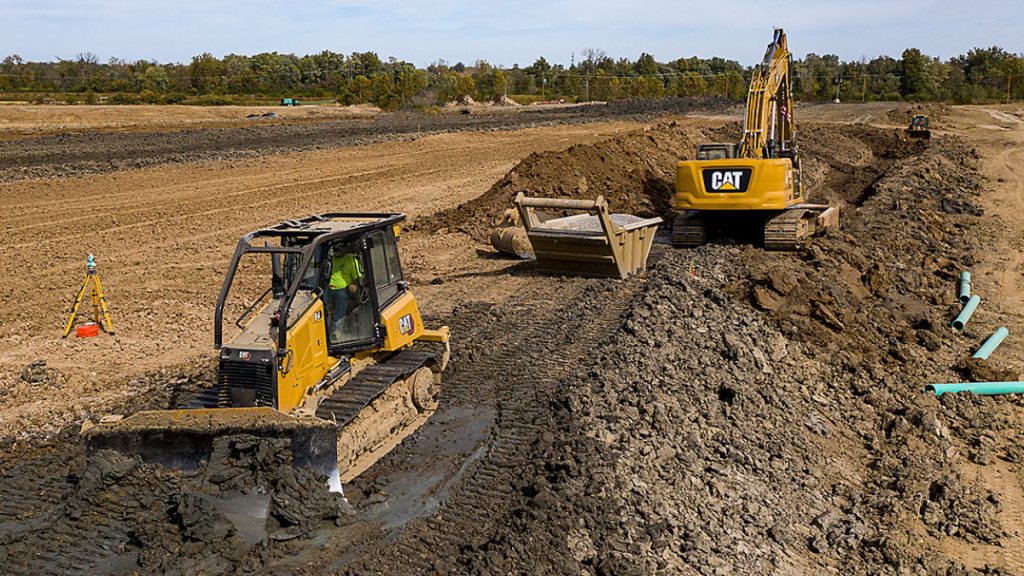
(344, 272)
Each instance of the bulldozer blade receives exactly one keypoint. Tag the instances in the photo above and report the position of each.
(184, 439)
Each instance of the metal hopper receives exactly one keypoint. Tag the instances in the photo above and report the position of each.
(596, 243)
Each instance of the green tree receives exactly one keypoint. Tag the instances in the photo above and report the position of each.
(689, 84)
(206, 73)
(465, 86)
(359, 90)
(922, 75)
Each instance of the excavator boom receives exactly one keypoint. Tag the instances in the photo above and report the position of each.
(768, 127)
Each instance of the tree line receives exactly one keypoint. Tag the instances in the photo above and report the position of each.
(983, 74)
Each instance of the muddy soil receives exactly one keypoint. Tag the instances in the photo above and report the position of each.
(728, 411)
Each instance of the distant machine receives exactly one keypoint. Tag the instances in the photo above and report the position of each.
(919, 128)
(289, 102)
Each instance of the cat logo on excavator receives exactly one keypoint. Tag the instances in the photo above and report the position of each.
(727, 180)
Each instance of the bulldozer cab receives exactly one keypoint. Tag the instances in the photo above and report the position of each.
(341, 269)
(360, 277)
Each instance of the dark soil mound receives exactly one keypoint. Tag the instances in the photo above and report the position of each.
(634, 172)
(766, 415)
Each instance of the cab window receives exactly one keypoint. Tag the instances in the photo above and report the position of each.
(387, 272)
(350, 313)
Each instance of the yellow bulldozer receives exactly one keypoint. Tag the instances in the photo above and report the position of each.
(757, 181)
(332, 355)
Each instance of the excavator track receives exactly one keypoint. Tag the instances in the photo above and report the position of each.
(689, 230)
(788, 229)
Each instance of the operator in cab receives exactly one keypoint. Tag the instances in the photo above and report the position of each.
(346, 274)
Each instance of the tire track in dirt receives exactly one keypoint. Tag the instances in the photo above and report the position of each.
(1001, 479)
(523, 353)
(230, 200)
(45, 216)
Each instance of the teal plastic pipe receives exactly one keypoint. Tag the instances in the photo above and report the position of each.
(992, 343)
(982, 388)
(965, 314)
(965, 287)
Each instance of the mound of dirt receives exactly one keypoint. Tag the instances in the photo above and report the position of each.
(842, 164)
(503, 100)
(464, 100)
(934, 111)
(634, 172)
(766, 414)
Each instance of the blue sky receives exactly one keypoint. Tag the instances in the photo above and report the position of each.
(516, 31)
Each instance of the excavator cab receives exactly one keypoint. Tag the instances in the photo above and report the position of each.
(717, 151)
(323, 356)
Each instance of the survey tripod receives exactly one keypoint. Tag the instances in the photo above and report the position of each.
(92, 277)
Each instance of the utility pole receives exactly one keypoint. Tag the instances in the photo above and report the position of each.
(864, 91)
(1008, 80)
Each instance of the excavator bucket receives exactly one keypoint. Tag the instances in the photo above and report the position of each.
(595, 243)
(184, 439)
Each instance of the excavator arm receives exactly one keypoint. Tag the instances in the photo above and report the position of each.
(768, 126)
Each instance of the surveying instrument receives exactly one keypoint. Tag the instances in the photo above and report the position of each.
(92, 277)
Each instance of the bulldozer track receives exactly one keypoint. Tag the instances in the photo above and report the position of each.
(359, 392)
(520, 377)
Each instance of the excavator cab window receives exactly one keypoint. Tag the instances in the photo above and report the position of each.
(351, 314)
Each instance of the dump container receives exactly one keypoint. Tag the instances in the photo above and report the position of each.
(595, 243)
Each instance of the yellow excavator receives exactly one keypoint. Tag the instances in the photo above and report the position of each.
(333, 356)
(758, 178)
